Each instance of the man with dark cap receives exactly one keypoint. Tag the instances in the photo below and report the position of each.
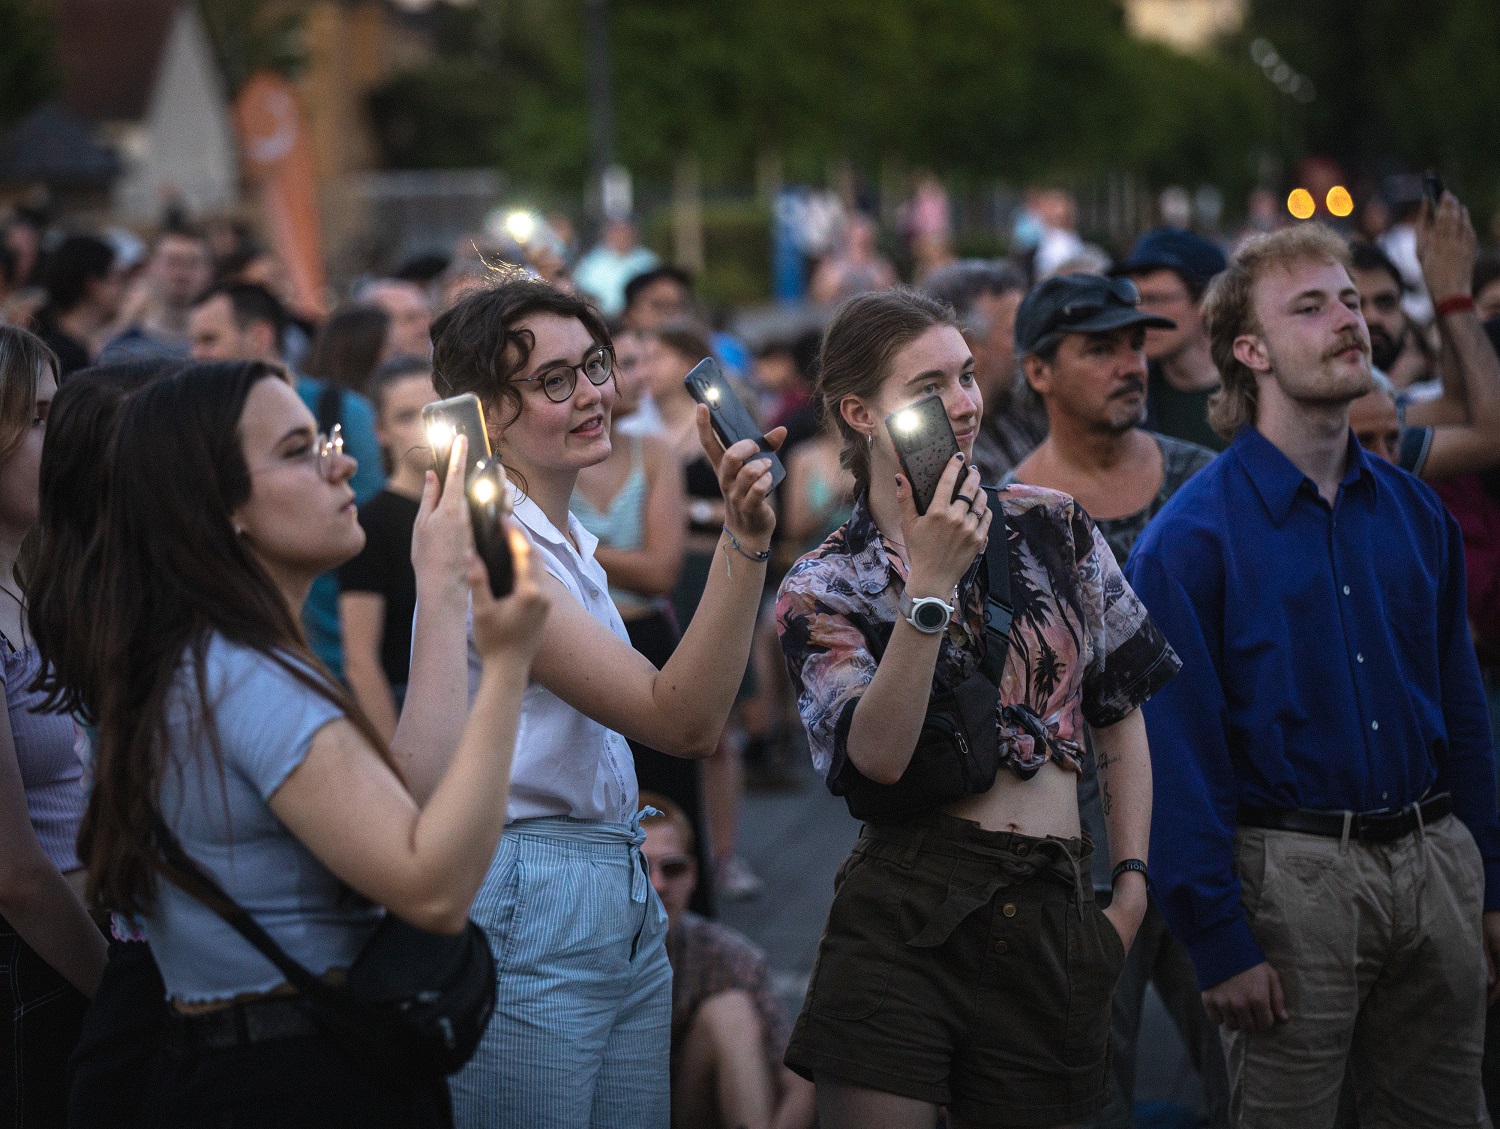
(1172, 268)
(1080, 340)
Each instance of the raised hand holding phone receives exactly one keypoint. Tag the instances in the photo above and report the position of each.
(445, 421)
(732, 421)
(942, 543)
(923, 437)
(489, 507)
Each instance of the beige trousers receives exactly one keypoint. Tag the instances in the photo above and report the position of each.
(1380, 953)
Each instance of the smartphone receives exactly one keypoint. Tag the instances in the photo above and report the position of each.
(732, 421)
(924, 443)
(489, 506)
(445, 420)
(1432, 184)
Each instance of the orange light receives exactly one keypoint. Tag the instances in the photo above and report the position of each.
(1339, 202)
(1301, 204)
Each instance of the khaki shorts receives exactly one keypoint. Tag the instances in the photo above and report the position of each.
(965, 968)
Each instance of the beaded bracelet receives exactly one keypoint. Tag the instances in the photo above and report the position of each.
(759, 558)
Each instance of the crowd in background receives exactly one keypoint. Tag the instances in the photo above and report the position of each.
(1114, 413)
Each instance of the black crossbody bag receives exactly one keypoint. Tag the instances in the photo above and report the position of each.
(413, 1000)
(958, 750)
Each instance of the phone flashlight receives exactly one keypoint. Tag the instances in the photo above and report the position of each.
(906, 421)
(489, 504)
(440, 436)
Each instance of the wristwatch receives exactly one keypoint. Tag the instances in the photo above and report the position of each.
(927, 614)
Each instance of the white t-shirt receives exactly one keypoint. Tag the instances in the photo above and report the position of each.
(567, 764)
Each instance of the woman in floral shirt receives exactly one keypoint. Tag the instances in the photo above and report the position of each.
(964, 963)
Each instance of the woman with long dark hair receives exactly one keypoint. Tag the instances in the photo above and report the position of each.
(51, 952)
(581, 1032)
(964, 963)
(214, 716)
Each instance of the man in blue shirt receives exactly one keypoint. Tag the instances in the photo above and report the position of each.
(241, 321)
(1326, 840)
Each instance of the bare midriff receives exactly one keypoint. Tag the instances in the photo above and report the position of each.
(1047, 804)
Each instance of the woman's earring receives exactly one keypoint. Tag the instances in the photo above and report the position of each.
(239, 530)
(870, 441)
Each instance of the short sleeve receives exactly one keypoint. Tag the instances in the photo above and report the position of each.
(828, 659)
(1129, 659)
(265, 716)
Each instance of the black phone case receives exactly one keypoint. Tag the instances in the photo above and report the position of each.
(489, 534)
(925, 454)
(731, 419)
(466, 416)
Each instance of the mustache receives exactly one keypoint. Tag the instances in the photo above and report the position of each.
(1133, 385)
(1348, 340)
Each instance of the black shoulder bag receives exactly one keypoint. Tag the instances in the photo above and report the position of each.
(958, 750)
(413, 1000)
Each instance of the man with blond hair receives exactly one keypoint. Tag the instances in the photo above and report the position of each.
(1326, 841)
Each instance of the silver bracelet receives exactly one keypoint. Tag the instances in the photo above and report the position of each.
(759, 558)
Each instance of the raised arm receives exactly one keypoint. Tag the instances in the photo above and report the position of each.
(652, 569)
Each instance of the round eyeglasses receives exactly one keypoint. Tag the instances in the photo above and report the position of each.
(558, 381)
(321, 455)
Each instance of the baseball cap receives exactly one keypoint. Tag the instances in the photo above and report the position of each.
(1079, 303)
(1171, 248)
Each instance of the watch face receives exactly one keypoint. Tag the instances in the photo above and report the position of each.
(930, 617)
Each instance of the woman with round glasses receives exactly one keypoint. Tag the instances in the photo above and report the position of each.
(581, 1030)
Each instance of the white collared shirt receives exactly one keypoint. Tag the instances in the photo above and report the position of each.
(566, 763)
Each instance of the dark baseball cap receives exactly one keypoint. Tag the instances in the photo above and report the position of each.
(1171, 248)
(1079, 303)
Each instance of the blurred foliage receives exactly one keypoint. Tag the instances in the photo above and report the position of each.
(1419, 85)
(994, 88)
(736, 252)
(28, 73)
(254, 35)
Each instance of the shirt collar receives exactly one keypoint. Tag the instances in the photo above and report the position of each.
(529, 514)
(1278, 481)
(871, 563)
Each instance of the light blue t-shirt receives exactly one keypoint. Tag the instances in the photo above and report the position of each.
(266, 720)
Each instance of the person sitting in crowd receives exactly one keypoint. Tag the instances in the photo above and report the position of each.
(85, 288)
(1327, 840)
(410, 312)
(1458, 431)
(1172, 268)
(243, 321)
(378, 588)
(1089, 369)
(203, 560)
(633, 503)
(581, 1030)
(728, 1028)
(965, 962)
(350, 347)
(52, 952)
(178, 270)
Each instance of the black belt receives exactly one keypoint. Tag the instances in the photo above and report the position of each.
(239, 1025)
(1383, 826)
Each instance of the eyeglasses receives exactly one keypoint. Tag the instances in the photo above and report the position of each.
(558, 381)
(321, 455)
(673, 866)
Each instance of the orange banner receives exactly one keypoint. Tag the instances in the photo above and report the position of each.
(278, 158)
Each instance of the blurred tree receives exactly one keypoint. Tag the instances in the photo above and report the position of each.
(254, 35)
(28, 73)
(1397, 85)
(1006, 88)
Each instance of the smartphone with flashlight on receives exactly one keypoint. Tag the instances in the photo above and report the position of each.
(924, 443)
(445, 421)
(732, 421)
(489, 506)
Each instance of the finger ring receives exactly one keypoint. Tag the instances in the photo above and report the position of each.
(968, 501)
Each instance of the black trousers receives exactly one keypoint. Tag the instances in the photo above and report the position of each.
(302, 1083)
(43, 1013)
(119, 1049)
(655, 636)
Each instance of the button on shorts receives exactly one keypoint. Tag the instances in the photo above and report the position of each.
(966, 968)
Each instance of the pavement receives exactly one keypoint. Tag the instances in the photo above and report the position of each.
(795, 840)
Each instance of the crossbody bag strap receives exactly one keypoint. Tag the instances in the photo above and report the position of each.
(998, 612)
(194, 880)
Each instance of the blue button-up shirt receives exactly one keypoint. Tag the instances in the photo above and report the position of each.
(1327, 664)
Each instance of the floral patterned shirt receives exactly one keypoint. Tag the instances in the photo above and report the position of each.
(1082, 646)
